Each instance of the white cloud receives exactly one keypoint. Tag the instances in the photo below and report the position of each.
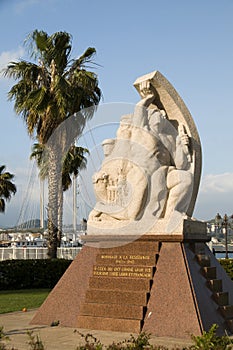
(9, 56)
(219, 183)
(215, 196)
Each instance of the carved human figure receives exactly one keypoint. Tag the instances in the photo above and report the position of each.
(173, 152)
(148, 160)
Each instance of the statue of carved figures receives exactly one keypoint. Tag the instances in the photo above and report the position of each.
(150, 175)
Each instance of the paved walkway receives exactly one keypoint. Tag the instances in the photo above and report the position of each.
(16, 325)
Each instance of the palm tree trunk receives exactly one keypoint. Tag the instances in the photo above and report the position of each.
(60, 215)
(54, 179)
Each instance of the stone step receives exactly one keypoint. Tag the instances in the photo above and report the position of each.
(227, 311)
(115, 297)
(197, 248)
(209, 272)
(215, 285)
(221, 298)
(230, 325)
(109, 324)
(124, 311)
(124, 271)
(203, 260)
(148, 259)
(120, 283)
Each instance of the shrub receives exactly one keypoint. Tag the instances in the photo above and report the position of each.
(210, 341)
(35, 342)
(227, 264)
(141, 342)
(36, 273)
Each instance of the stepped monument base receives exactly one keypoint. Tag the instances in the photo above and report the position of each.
(164, 286)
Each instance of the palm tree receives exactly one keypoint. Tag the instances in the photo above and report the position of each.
(7, 188)
(72, 163)
(39, 154)
(46, 95)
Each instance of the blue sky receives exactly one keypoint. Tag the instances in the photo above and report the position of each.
(189, 42)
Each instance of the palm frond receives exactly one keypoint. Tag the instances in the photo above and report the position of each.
(2, 167)
(23, 70)
(36, 42)
(40, 154)
(7, 187)
(73, 162)
(2, 205)
(86, 56)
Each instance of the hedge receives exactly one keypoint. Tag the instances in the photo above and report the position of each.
(227, 264)
(35, 273)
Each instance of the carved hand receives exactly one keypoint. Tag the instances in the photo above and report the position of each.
(147, 93)
(184, 139)
(145, 88)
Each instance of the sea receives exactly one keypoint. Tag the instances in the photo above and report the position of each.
(223, 255)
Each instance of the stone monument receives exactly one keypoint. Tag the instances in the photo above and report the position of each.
(149, 178)
(145, 265)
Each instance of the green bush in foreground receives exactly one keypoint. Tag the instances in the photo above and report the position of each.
(33, 273)
(208, 341)
(141, 342)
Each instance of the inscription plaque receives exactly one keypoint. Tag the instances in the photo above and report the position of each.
(123, 271)
(126, 259)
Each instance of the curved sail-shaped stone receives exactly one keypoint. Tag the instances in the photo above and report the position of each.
(168, 99)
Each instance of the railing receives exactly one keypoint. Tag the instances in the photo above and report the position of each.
(37, 253)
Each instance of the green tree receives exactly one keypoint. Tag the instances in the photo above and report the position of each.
(46, 95)
(72, 163)
(7, 187)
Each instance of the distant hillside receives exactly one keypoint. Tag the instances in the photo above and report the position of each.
(34, 223)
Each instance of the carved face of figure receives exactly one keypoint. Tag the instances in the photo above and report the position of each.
(124, 130)
(108, 146)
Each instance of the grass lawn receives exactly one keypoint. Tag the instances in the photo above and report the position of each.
(16, 300)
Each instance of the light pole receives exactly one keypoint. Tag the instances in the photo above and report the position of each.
(224, 222)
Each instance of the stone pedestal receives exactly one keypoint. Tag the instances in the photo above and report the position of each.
(167, 286)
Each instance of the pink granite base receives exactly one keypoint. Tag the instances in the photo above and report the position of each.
(64, 301)
(162, 292)
(171, 308)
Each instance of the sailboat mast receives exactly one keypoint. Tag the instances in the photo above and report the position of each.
(74, 203)
(41, 204)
